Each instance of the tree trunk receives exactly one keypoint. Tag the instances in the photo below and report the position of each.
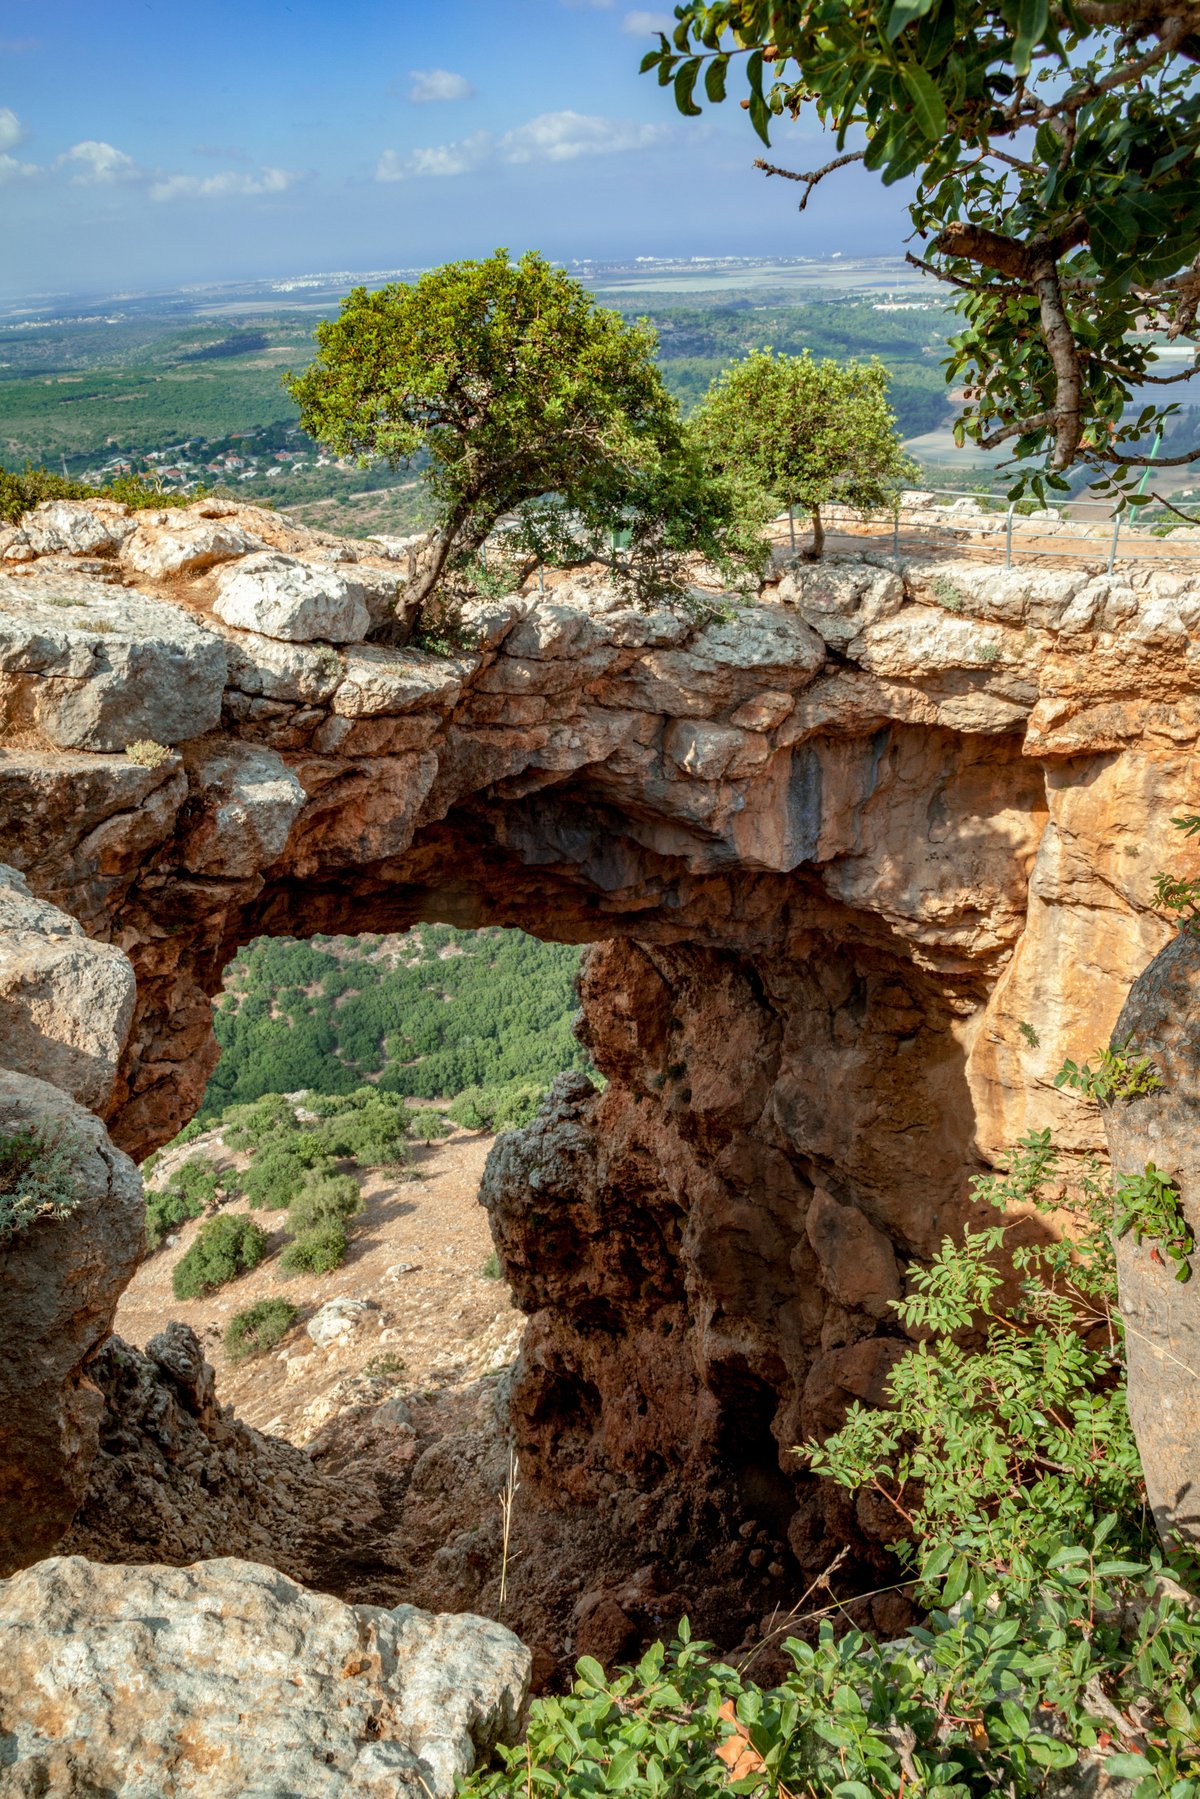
(1162, 1315)
(818, 542)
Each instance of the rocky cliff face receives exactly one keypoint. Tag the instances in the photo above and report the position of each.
(862, 865)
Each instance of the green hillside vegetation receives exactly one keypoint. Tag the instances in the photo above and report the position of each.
(439, 1014)
(84, 388)
(303, 1160)
(698, 342)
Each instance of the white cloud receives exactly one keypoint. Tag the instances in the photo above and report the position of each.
(552, 137)
(562, 136)
(97, 164)
(645, 24)
(12, 132)
(11, 169)
(230, 184)
(458, 158)
(11, 129)
(437, 84)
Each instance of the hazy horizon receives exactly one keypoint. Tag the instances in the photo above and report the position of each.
(160, 148)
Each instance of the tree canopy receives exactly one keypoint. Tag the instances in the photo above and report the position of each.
(1055, 147)
(808, 432)
(530, 404)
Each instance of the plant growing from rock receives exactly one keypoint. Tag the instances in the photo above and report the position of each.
(259, 1328)
(809, 433)
(1052, 1638)
(224, 1247)
(531, 403)
(36, 1178)
(146, 753)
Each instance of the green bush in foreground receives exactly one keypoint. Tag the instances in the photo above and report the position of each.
(259, 1328)
(20, 492)
(316, 1251)
(1052, 1633)
(36, 1179)
(224, 1248)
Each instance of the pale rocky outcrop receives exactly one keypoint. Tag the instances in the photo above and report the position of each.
(91, 666)
(226, 1678)
(66, 1003)
(835, 853)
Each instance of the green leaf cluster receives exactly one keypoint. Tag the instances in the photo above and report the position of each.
(1054, 150)
(37, 1178)
(806, 432)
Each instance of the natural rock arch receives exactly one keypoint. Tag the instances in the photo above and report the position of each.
(836, 852)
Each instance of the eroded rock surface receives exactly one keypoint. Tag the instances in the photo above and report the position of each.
(61, 1279)
(226, 1678)
(864, 863)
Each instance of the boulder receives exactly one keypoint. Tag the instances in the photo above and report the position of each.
(246, 801)
(185, 546)
(339, 1321)
(226, 1679)
(858, 1263)
(1161, 1018)
(299, 602)
(65, 1002)
(63, 1272)
(76, 528)
(96, 667)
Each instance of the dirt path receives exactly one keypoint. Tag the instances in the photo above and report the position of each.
(416, 1254)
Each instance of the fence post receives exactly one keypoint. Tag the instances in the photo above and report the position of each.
(1112, 548)
(1008, 535)
(792, 527)
(896, 535)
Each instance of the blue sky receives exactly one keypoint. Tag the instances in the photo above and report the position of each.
(145, 142)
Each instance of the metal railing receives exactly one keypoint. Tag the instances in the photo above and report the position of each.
(987, 526)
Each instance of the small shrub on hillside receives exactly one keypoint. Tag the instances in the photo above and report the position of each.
(491, 1270)
(193, 1187)
(224, 1248)
(279, 1168)
(259, 1328)
(247, 1127)
(504, 1108)
(323, 1199)
(36, 1179)
(316, 1251)
(165, 1211)
(369, 1127)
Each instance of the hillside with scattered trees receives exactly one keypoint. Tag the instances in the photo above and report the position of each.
(481, 1018)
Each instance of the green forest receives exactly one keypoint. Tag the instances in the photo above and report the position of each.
(481, 1018)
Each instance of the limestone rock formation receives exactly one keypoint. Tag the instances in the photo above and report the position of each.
(1162, 1315)
(66, 1003)
(862, 865)
(177, 1477)
(245, 1683)
(62, 1277)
